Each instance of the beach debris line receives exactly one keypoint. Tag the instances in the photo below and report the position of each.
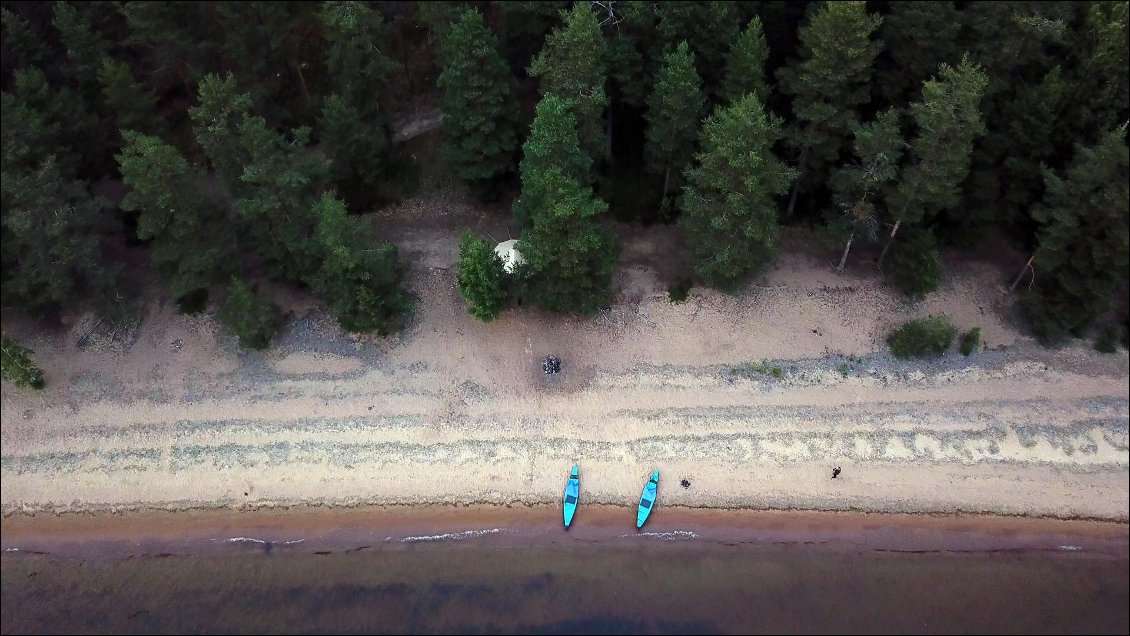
(551, 364)
(647, 499)
(572, 493)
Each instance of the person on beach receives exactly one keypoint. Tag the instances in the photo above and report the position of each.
(835, 472)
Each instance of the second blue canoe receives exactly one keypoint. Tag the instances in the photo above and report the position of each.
(647, 499)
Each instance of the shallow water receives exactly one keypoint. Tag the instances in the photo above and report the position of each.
(499, 580)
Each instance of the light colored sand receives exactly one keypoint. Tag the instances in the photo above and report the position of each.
(454, 411)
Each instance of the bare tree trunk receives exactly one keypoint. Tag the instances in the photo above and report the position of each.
(667, 179)
(1027, 266)
(800, 166)
(887, 247)
(843, 257)
(608, 141)
(302, 81)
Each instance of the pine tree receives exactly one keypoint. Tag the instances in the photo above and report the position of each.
(358, 157)
(569, 255)
(709, 27)
(674, 109)
(63, 109)
(479, 112)
(745, 65)
(16, 365)
(249, 316)
(216, 122)
(26, 40)
(1084, 253)
(52, 231)
(917, 37)
(129, 105)
(878, 147)
(572, 66)
(359, 278)
(949, 120)
(84, 45)
(552, 144)
(522, 27)
(829, 83)
(193, 240)
(730, 217)
(482, 279)
(281, 181)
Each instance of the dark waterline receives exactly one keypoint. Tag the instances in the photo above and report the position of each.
(485, 586)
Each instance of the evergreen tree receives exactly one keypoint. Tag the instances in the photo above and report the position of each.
(569, 255)
(357, 158)
(193, 241)
(216, 122)
(63, 109)
(359, 278)
(916, 267)
(729, 212)
(917, 37)
(674, 109)
(177, 40)
(709, 27)
(281, 181)
(949, 120)
(25, 39)
(84, 45)
(829, 83)
(482, 279)
(479, 112)
(1084, 253)
(745, 65)
(249, 316)
(129, 104)
(878, 147)
(52, 230)
(522, 27)
(552, 144)
(16, 365)
(572, 66)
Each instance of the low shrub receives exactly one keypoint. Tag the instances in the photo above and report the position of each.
(971, 341)
(922, 338)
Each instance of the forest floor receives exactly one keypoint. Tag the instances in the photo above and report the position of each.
(750, 398)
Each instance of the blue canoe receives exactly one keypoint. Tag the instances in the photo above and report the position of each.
(572, 491)
(647, 499)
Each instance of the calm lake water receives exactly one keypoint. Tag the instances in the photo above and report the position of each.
(485, 581)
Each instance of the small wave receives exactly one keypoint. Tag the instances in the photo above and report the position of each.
(452, 536)
(673, 534)
(1071, 548)
(261, 541)
(11, 549)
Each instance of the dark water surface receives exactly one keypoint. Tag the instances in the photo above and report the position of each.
(482, 583)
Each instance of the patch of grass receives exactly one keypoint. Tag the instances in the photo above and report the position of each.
(845, 369)
(679, 292)
(971, 341)
(764, 368)
(922, 338)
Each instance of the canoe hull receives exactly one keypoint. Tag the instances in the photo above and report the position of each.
(647, 500)
(572, 494)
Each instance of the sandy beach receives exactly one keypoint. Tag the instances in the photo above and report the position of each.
(751, 399)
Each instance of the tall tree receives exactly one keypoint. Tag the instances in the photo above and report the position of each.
(1084, 253)
(674, 109)
(522, 27)
(358, 156)
(745, 65)
(828, 83)
(479, 113)
(129, 105)
(917, 37)
(569, 254)
(948, 120)
(709, 27)
(552, 144)
(216, 122)
(572, 66)
(249, 315)
(193, 240)
(878, 147)
(482, 279)
(359, 278)
(730, 216)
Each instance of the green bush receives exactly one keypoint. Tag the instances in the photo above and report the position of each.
(923, 337)
(16, 365)
(248, 316)
(971, 341)
(193, 302)
(916, 265)
(680, 291)
(482, 278)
